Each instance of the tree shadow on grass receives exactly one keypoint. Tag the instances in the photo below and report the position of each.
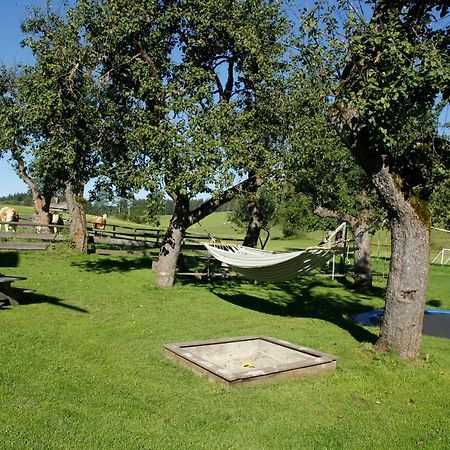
(300, 299)
(106, 265)
(10, 259)
(34, 298)
(373, 291)
(434, 303)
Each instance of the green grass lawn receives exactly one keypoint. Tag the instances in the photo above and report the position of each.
(82, 364)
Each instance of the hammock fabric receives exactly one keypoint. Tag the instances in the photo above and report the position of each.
(261, 265)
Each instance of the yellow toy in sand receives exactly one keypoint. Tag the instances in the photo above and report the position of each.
(248, 364)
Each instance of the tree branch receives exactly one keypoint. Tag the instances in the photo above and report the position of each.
(219, 86)
(146, 57)
(212, 204)
(230, 82)
(328, 213)
(23, 173)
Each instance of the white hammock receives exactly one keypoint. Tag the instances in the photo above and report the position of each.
(262, 265)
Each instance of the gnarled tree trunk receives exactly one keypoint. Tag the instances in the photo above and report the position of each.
(171, 246)
(255, 223)
(409, 218)
(254, 226)
(401, 329)
(42, 211)
(402, 325)
(77, 221)
(401, 177)
(181, 220)
(41, 201)
(360, 229)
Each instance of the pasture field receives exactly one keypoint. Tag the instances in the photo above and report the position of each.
(82, 363)
(218, 225)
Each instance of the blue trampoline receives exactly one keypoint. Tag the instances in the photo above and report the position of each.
(436, 322)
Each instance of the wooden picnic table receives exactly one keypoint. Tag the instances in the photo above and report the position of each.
(6, 289)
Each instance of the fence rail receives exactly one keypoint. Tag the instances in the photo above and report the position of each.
(33, 225)
(25, 245)
(105, 240)
(33, 236)
(156, 234)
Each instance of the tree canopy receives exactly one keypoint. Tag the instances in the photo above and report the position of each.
(52, 123)
(190, 86)
(388, 76)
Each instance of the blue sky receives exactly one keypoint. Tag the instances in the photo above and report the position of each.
(12, 14)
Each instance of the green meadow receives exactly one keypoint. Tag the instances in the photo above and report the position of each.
(82, 363)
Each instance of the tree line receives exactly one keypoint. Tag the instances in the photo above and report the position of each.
(134, 210)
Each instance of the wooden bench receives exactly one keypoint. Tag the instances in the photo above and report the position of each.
(6, 289)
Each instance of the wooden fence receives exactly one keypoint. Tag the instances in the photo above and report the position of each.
(113, 239)
(120, 239)
(29, 240)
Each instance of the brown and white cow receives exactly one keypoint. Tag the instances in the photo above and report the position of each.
(53, 218)
(56, 219)
(99, 222)
(8, 214)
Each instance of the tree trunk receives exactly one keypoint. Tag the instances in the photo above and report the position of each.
(77, 221)
(41, 201)
(254, 226)
(362, 264)
(360, 228)
(401, 329)
(181, 220)
(171, 246)
(168, 255)
(255, 222)
(42, 211)
(409, 216)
